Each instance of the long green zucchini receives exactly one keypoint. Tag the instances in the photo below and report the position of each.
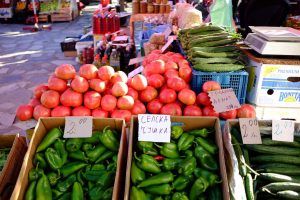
(274, 149)
(249, 187)
(201, 29)
(218, 67)
(239, 156)
(274, 177)
(199, 41)
(215, 49)
(278, 168)
(288, 194)
(269, 141)
(212, 34)
(276, 158)
(214, 60)
(204, 33)
(215, 55)
(281, 186)
(216, 43)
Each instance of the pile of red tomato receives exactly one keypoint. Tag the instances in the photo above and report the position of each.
(162, 89)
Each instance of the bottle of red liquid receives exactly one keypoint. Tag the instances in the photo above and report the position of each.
(104, 22)
(117, 22)
(111, 22)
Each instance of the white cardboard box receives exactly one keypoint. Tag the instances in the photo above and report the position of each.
(274, 85)
(270, 113)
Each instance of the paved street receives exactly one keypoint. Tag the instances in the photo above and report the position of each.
(27, 59)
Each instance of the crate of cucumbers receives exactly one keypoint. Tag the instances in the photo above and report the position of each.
(74, 168)
(191, 166)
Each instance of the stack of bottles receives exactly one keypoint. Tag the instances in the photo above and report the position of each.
(105, 21)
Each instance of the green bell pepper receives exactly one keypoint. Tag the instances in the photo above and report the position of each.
(53, 158)
(179, 196)
(65, 184)
(74, 144)
(208, 145)
(204, 132)
(96, 192)
(93, 175)
(188, 166)
(30, 192)
(94, 139)
(147, 148)
(43, 188)
(49, 139)
(87, 147)
(107, 195)
(136, 194)
(71, 168)
(185, 141)
(34, 174)
(206, 159)
(56, 193)
(176, 132)
(161, 178)
(106, 155)
(53, 178)
(77, 192)
(106, 179)
(148, 163)
(181, 182)
(198, 188)
(59, 146)
(171, 164)
(207, 175)
(78, 155)
(169, 150)
(137, 175)
(39, 160)
(96, 152)
(109, 140)
(79, 176)
(163, 189)
(188, 153)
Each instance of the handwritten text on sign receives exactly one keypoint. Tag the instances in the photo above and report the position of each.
(154, 128)
(78, 127)
(283, 130)
(224, 100)
(250, 131)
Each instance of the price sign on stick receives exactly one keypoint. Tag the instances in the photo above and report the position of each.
(136, 71)
(154, 128)
(250, 131)
(78, 127)
(136, 60)
(224, 100)
(283, 130)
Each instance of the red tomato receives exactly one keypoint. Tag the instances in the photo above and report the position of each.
(79, 84)
(185, 73)
(24, 112)
(119, 76)
(209, 111)
(81, 111)
(106, 72)
(133, 93)
(123, 114)
(148, 94)
(187, 96)
(164, 57)
(34, 102)
(65, 71)
(203, 99)
(119, 89)
(231, 114)
(57, 84)
(139, 82)
(91, 99)
(39, 90)
(171, 109)
(99, 113)
(88, 71)
(167, 96)
(192, 110)
(61, 111)
(108, 102)
(98, 85)
(138, 108)
(157, 67)
(154, 106)
(171, 65)
(176, 83)
(156, 80)
(71, 98)
(125, 102)
(210, 86)
(183, 63)
(41, 111)
(246, 111)
(170, 73)
(50, 99)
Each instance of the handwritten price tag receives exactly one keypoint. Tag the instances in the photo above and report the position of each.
(78, 127)
(154, 128)
(136, 60)
(250, 131)
(136, 71)
(283, 130)
(170, 40)
(224, 100)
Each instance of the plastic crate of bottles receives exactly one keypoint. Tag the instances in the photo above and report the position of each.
(236, 80)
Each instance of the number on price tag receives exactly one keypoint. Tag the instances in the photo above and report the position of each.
(170, 40)
(136, 60)
(250, 131)
(154, 128)
(283, 130)
(78, 127)
(224, 100)
(138, 70)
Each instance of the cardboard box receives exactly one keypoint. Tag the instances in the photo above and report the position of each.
(70, 53)
(44, 125)
(189, 124)
(273, 85)
(11, 169)
(269, 113)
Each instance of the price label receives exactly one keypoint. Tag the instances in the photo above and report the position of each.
(250, 131)
(138, 70)
(136, 60)
(78, 127)
(154, 128)
(168, 31)
(224, 100)
(283, 130)
(24, 125)
(7, 119)
(170, 40)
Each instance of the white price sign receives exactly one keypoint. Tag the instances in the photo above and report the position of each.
(250, 131)
(224, 100)
(283, 130)
(78, 127)
(154, 128)
(138, 70)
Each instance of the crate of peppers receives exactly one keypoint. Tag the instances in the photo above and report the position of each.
(74, 168)
(191, 166)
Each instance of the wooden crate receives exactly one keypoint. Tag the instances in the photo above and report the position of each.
(44, 18)
(61, 17)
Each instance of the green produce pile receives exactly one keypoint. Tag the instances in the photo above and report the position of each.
(186, 168)
(270, 170)
(210, 48)
(3, 157)
(74, 168)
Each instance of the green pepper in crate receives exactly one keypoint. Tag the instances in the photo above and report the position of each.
(188, 166)
(49, 139)
(198, 188)
(207, 175)
(64, 185)
(107, 179)
(109, 140)
(206, 159)
(79, 177)
(53, 178)
(185, 141)
(96, 152)
(188, 153)
(78, 155)
(43, 188)
(71, 168)
(169, 150)
(94, 139)
(53, 158)
(39, 160)
(137, 175)
(56, 193)
(148, 163)
(65, 196)
(87, 147)
(215, 193)
(163, 189)
(179, 196)
(147, 148)
(59, 146)
(30, 193)
(94, 175)
(96, 192)
(136, 193)
(171, 164)
(207, 145)
(176, 132)
(107, 195)
(204, 132)
(164, 177)
(77, 192)
(181, 182)
(106, 155)
(34, 174)
(74, 144)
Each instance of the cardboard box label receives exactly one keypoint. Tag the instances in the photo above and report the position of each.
(138, 70)
(78, 127)
(250, 131)
(154, 128)
(283, 130)
(224, 100)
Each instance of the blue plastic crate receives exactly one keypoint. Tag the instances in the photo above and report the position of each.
(236, 80)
